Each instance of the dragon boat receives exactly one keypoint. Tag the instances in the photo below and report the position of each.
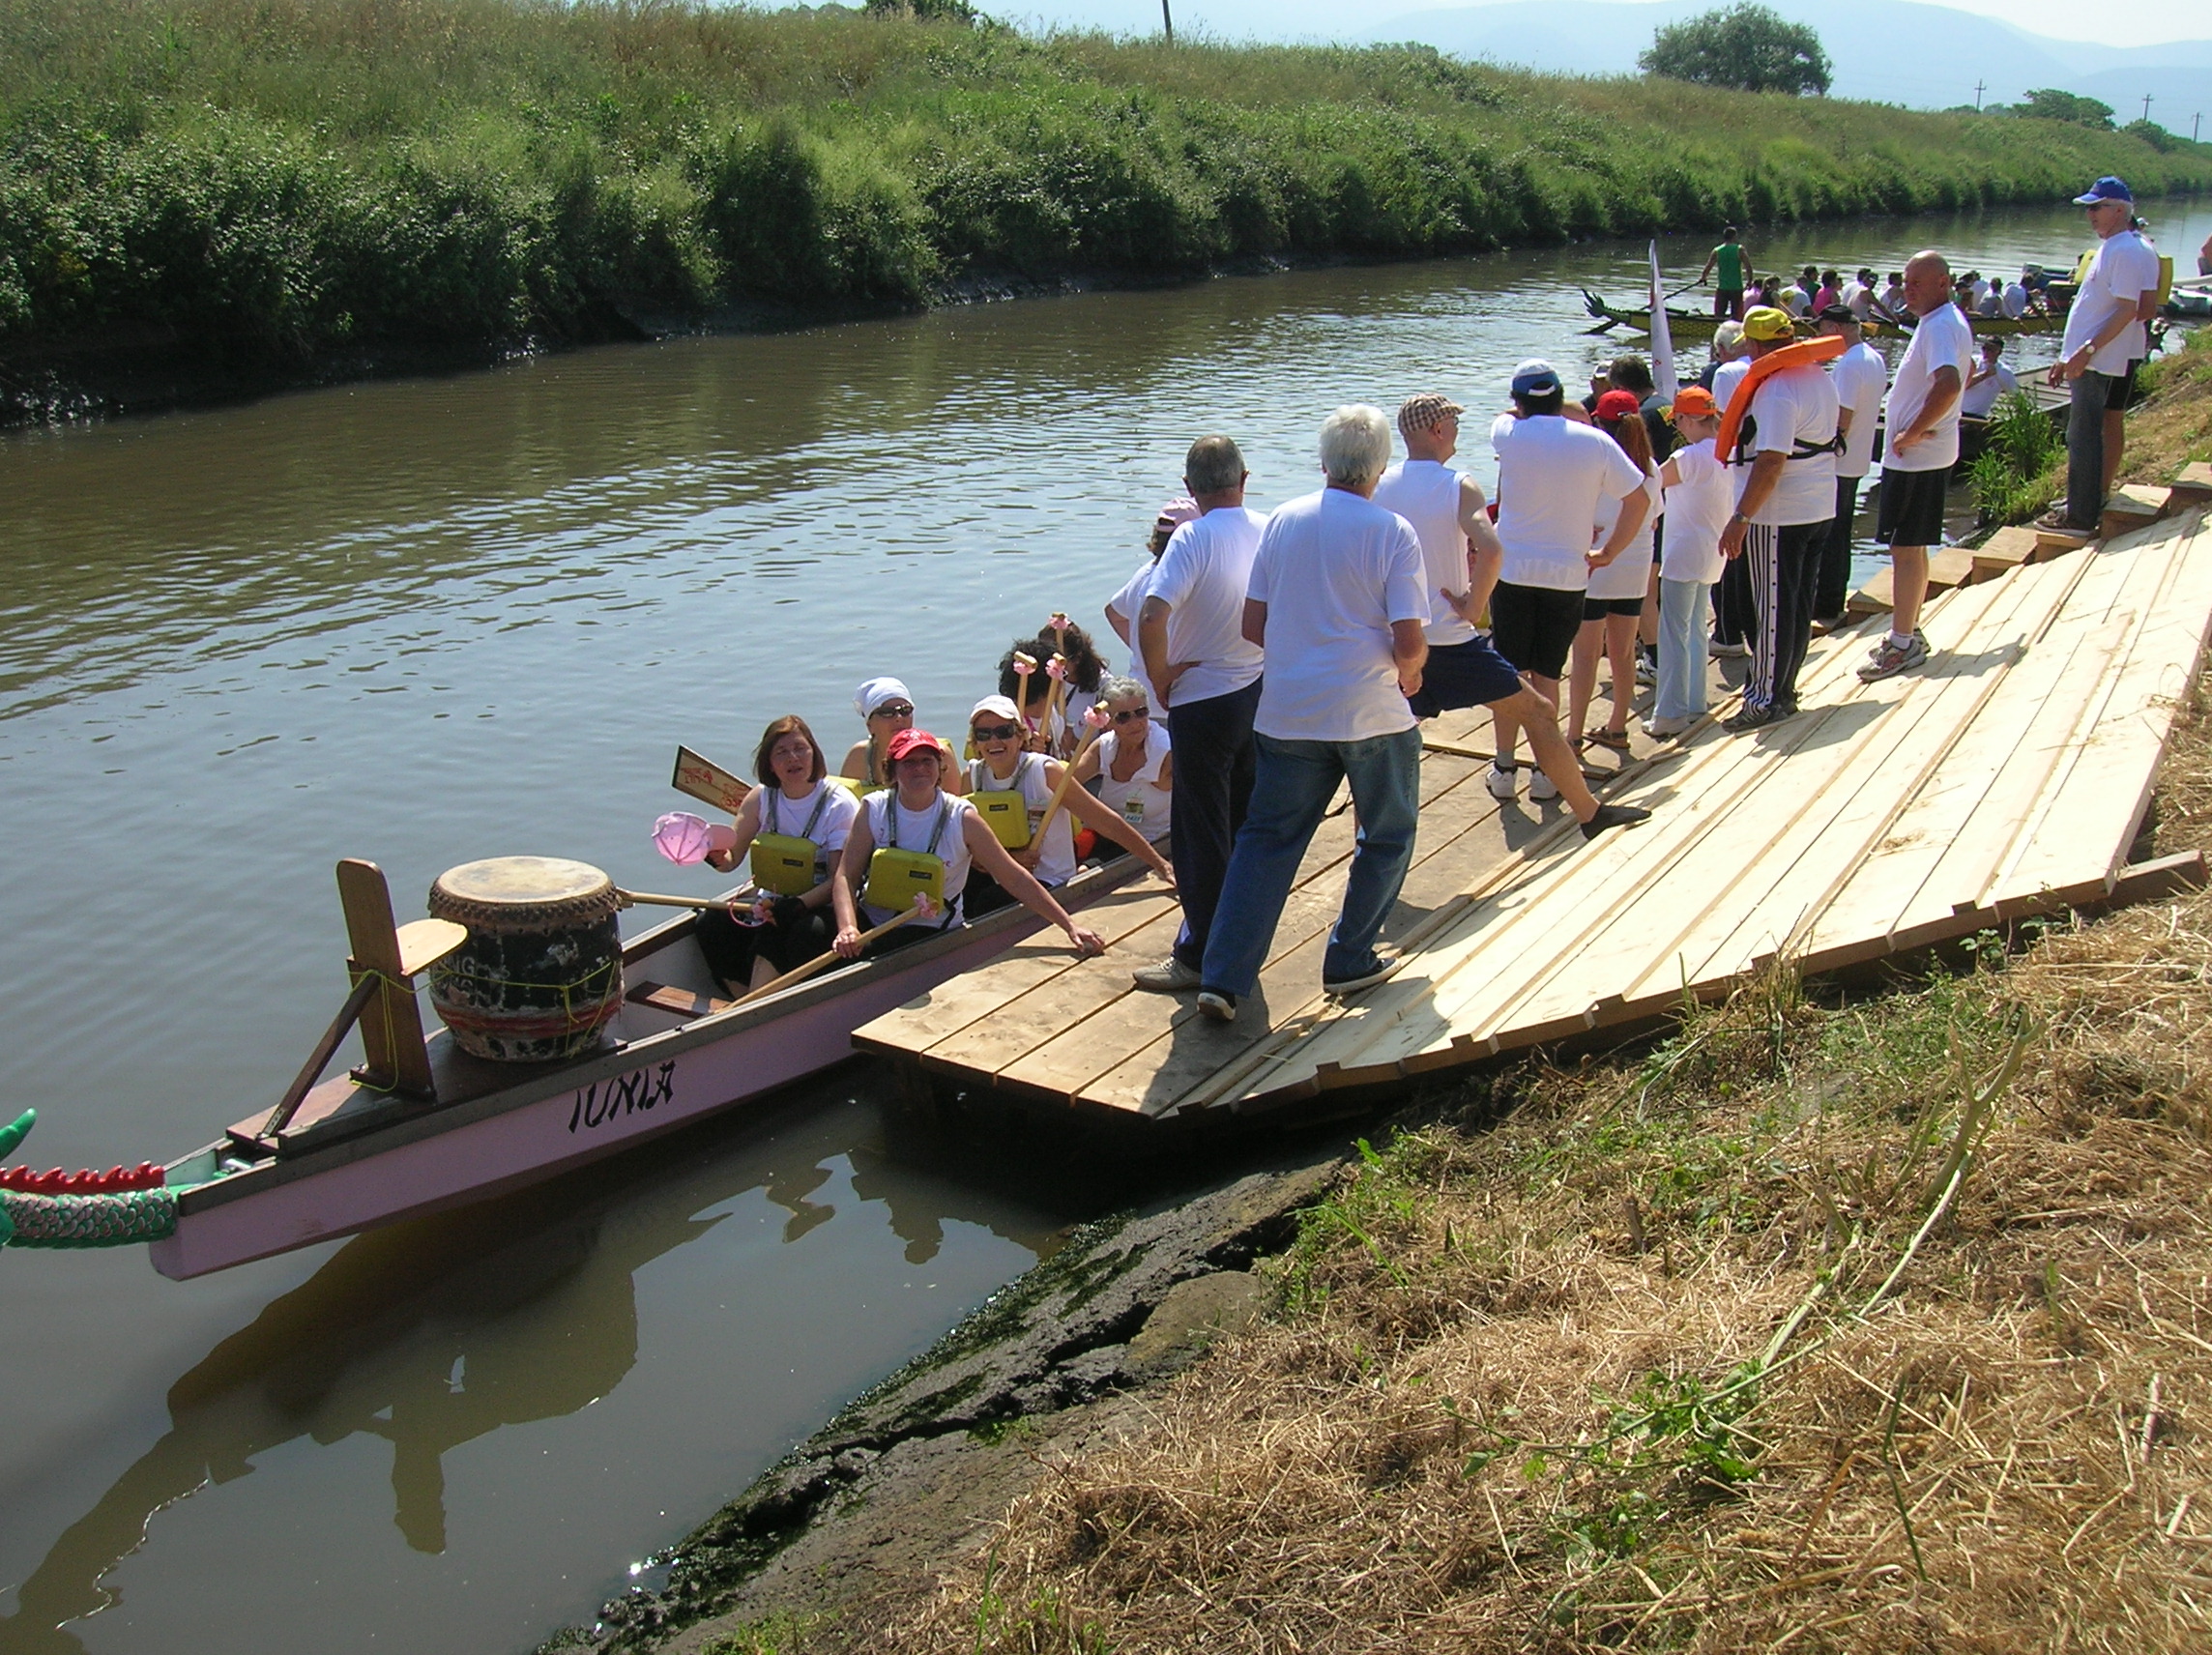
(426, 1123)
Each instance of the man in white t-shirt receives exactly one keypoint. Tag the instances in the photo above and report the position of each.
(1461, 556)
(1551, 475)
(1205, 673)
(1786, 444)
(1126, 605)
(2016, 297)
(1860, 377)
(1922, 448)
(2104, 345)
(1990, 380)
(1860, 294)
(1339, 600)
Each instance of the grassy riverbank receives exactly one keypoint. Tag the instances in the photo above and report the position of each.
(280, 180)
(1835, 1323)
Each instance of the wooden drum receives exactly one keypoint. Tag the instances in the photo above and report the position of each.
(541, 973)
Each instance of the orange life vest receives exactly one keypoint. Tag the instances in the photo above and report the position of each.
(1806, 351)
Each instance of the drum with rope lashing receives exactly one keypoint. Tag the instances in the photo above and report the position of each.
(541, 973)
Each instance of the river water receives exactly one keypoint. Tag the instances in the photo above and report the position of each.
(433, 620)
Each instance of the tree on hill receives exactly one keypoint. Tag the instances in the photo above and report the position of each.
(1746, 46)
(2051, 105)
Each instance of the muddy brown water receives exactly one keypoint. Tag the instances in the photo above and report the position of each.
(434, 620)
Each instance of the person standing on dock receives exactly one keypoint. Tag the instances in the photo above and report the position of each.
(1206, 672)
(1922, 449)
(1732, 278)
(1862, 380)
(2105, 343)
(1782, 516)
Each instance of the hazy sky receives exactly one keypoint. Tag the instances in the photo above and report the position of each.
(2113, 22)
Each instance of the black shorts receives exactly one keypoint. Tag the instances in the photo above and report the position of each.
(1534, 627)
(2120, 391)
(1469, 674)
(1598, 608)
(1912, 507)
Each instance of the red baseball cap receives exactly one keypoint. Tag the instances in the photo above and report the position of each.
(907, 743)
(1615, 405)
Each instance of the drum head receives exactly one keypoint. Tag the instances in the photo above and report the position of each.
(523, 894)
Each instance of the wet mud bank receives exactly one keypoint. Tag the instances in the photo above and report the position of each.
(1054, 1363)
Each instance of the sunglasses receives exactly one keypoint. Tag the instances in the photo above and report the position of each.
(894, 709)
(995, 731)
(1132, 715)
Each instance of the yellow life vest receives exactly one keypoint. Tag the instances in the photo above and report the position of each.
(896, 877)
(789, 864)
(1005, 810)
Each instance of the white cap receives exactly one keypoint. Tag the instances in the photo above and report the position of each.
(996, 704)
(876, 691)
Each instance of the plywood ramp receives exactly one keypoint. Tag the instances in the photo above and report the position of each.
(2008, 776)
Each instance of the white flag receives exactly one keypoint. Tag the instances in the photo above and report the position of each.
(1662, 340)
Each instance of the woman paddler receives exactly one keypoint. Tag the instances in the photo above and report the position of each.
(792, 827)
(1131, 766)
(886, 707)
(1012, 790)
(916, 839)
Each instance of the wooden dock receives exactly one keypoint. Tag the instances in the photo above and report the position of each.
(2008, 777)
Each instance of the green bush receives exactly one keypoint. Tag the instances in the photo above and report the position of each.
(2014, 476)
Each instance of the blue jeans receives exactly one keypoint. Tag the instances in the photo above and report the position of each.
(1291, 792)
(1681, 649)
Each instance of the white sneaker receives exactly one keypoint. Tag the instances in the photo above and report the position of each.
(1170, 976)
(1542, 787)
(1661, 729)
(1721, 652)
(1500, 781)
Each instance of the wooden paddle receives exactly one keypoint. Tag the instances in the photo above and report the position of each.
(653, 899)
(708, 781)
(1067, 774)
(822, 962)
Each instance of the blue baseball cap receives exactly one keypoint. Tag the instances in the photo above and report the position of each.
(1535, 377)
(2105, 190)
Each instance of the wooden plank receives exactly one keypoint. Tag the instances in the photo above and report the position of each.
(2130, 508)
(391, 1027)
(2191, 486)
(2004, 551)
(423, 942)
(682, 1002)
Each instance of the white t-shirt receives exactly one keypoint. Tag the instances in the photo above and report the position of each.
(1796, 298)
(1551, 474)
(1201, 578)
(1129, 603)
(1056, 861)
(1426, 494)
(1941, 340)
(2016, 300)
(1861, 377)
(915, 832)
(1727, 377)
(1336, 571)
(1696, 511)
(1629, 575)
(1144, 803)
(1893, 299)
(1796, 405)
(1982, 398)
(797, 817)
(2124, 269)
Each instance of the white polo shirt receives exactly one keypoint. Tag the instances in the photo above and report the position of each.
(1941, 340)
(1202, 577)
(2124, 270)
(1551, 474)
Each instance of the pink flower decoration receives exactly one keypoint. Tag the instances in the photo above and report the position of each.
(1097, 719)
(1024, 664)
(1056, 668)
(682, 837)
(1059, 622)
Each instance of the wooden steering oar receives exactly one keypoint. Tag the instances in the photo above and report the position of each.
(655, 899)
(822, 962)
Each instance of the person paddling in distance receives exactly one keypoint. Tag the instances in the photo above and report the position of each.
(1131, 766)
(916, 839)
(1013, 790)
(887, 708)
(791, 828)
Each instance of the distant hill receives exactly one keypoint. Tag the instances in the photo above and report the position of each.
(1924, 57)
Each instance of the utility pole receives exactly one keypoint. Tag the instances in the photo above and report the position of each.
(1167, 21)
(1979, 89)
(2146, 96)
(2196, 125)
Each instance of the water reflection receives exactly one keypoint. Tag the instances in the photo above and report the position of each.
(434, 1334)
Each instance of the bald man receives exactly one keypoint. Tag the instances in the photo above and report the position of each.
(1923, 445)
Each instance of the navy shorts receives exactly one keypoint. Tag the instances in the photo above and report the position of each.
(2120, 392)
(1598, 608)
(1472, 674)
(1911, 507)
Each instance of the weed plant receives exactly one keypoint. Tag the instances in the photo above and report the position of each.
(2016, 474)
(280, 179)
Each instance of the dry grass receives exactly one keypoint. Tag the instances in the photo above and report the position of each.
(2174, 425)
(1696, 1354)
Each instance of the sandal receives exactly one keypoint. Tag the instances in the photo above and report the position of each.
(1617, 739)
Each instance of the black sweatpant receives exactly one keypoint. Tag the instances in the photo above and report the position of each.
(1213, 763)
(1833, 589)
(1784, 563)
